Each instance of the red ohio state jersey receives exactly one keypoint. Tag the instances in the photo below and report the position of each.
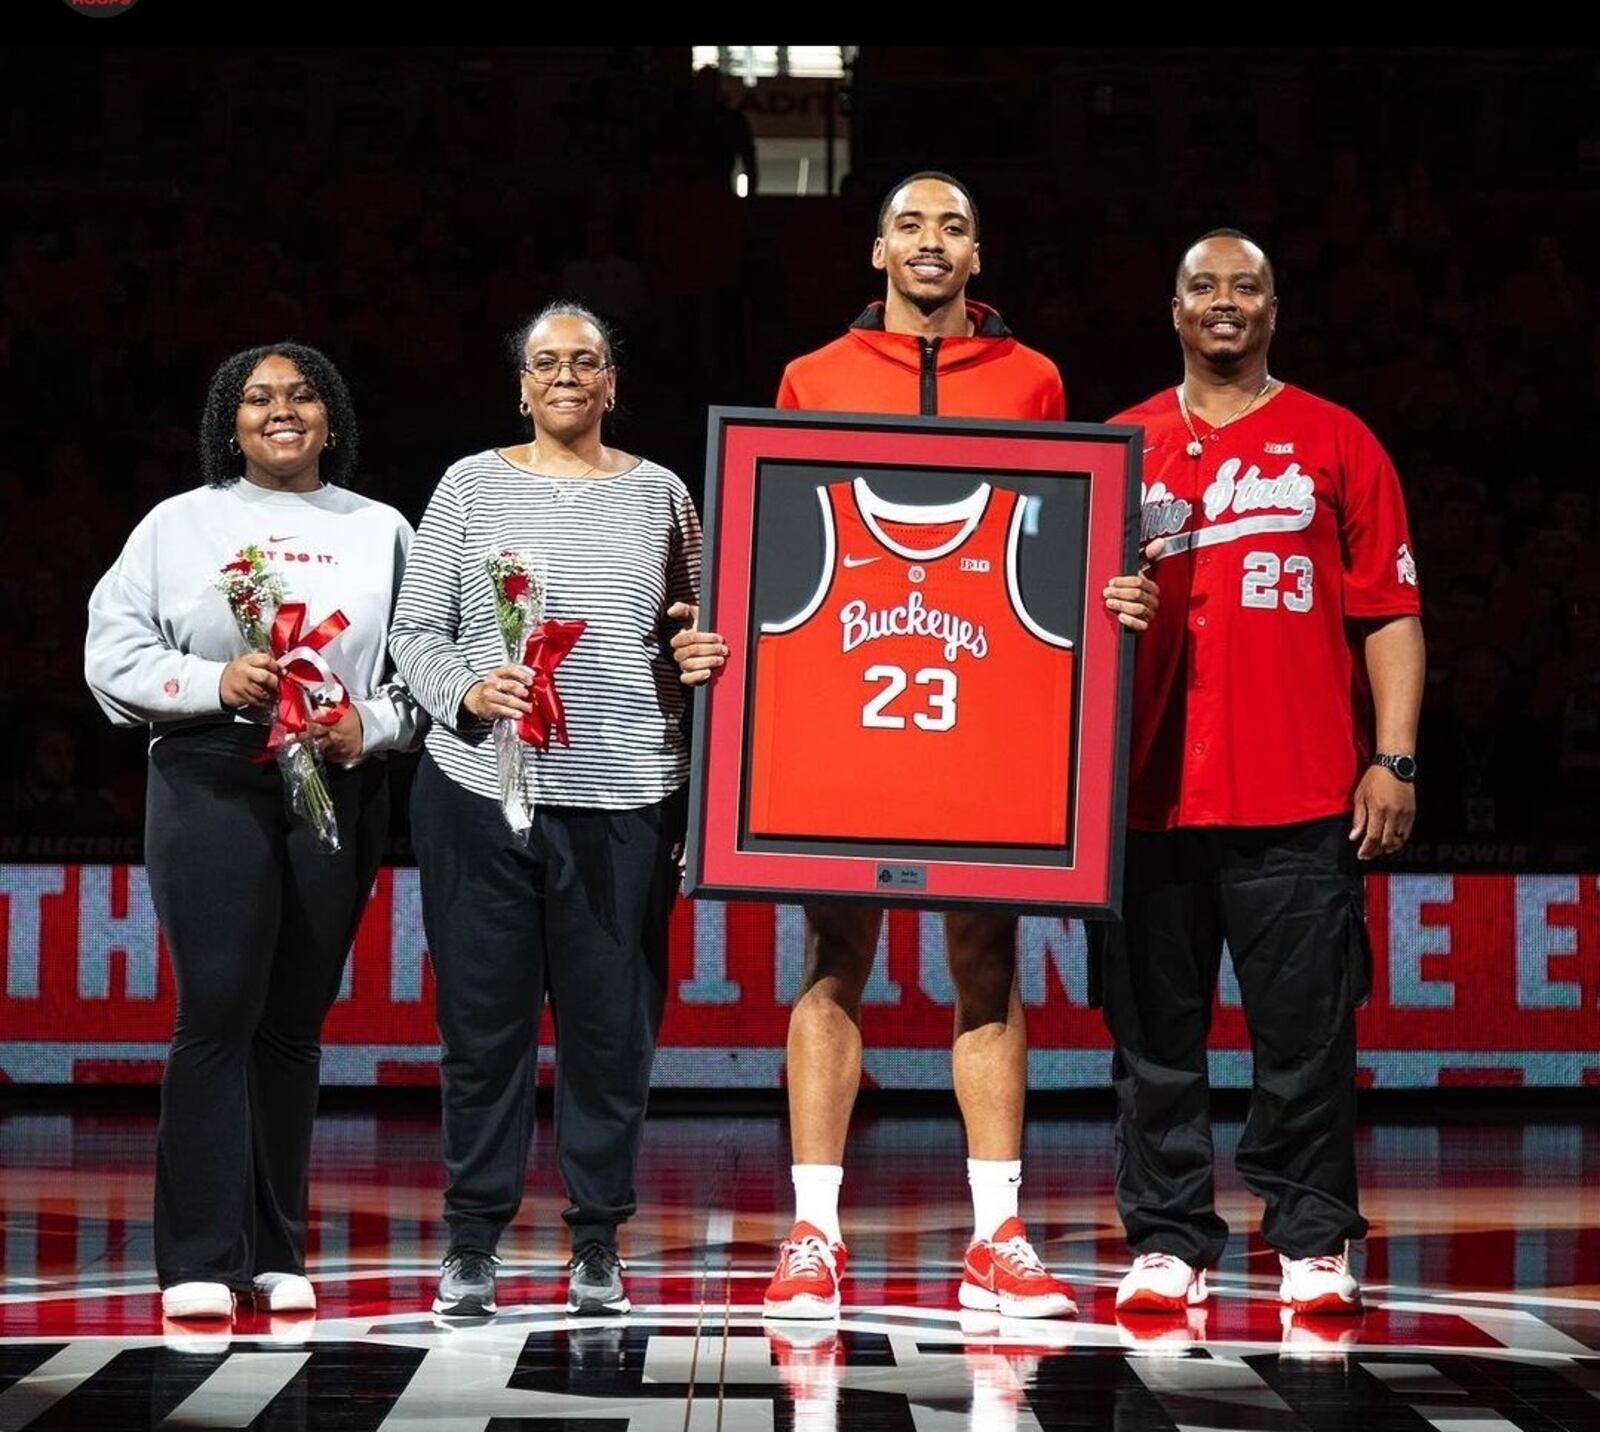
(1250, 703)
(913, 698)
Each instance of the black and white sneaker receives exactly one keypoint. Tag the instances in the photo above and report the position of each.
(466, 1284)
(595, 1287)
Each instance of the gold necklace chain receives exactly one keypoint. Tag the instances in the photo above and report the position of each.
(1195, 445)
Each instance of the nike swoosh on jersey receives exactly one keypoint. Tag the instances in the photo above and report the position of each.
(858, 561)
(289, 538)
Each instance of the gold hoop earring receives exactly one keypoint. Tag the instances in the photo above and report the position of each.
(333, 441)
(611, 402)
(233, 445)
(522, 407)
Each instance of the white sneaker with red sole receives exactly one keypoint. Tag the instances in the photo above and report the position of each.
(1323, 1285)
(1161, 1283)
(1004, 1275)
(806, 1283)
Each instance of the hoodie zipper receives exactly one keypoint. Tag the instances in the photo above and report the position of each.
(930, 376)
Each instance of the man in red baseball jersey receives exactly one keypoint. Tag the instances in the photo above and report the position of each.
(925, 349)
(1290, 622)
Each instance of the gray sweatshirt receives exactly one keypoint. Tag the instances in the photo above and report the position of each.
(160, 633)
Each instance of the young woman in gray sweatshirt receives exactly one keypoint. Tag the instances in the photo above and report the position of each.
(257, 914)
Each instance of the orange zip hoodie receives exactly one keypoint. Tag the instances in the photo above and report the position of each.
(989, 375)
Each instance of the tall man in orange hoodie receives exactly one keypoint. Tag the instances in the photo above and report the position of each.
(926, 349)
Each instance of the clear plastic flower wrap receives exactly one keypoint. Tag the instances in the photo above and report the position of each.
(518, 579)
(308, 691)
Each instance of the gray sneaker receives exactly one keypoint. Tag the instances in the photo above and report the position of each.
(596, 1283)
(466, 1284)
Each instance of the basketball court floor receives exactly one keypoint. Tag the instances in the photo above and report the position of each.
(1482, 1278)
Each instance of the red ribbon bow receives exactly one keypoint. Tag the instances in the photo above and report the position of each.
(307, 688)
(547, 647)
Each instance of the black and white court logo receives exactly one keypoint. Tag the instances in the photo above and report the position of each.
(100, 9)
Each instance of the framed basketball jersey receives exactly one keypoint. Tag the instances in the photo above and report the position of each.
(924, 701)
(900, 677)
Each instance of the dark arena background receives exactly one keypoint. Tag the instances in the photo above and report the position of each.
(1431, 214)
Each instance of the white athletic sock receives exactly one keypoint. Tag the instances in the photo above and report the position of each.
(816, 1197)
(995, 1185)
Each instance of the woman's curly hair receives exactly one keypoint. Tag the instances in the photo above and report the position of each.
(221, 465)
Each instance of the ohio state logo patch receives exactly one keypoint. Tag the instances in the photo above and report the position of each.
(1405, 566)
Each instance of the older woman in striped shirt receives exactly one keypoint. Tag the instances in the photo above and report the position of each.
(578, 904)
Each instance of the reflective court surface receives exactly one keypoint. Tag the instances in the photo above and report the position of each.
(1482, 1278)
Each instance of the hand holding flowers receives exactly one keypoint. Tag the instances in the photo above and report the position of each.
(285, 665)
(518, 581)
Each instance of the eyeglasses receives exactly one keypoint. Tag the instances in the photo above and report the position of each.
(547, 368)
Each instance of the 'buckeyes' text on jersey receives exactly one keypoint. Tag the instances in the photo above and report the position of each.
(913, 698)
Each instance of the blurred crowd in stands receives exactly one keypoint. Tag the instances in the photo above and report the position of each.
(1433, 241)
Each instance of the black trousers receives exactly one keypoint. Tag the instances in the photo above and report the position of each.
(258, 919)
(1288, 901)
(580, 911)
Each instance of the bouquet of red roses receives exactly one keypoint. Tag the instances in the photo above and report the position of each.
(307, 688)
(518, 579)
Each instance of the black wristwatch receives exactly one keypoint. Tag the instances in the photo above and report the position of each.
(1402, 768)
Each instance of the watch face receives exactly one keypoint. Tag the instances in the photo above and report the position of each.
(1405, 767)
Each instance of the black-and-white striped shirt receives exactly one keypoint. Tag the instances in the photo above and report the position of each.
(618, 551)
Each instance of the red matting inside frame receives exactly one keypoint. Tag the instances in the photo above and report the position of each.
(724, 867)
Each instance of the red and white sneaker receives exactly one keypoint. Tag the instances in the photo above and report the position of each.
(806, 1284)
(1004, 1275)
(1161, 1283)
(1323, 1284)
